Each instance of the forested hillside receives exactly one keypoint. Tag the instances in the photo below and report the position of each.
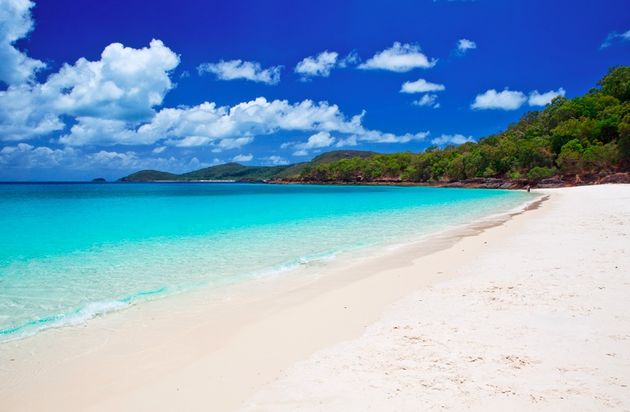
(579, 139)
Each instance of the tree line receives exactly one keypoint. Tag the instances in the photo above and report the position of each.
(586, 135)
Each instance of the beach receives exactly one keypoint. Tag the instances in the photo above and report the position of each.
(526, 310)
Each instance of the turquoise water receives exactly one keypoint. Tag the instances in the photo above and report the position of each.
(69, 252)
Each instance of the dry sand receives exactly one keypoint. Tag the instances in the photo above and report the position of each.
(533, 313)
(538, 321)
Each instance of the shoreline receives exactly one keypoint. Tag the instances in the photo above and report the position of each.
(241, 310)
(538, 320)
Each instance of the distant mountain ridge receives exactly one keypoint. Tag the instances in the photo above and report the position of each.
(242, 173)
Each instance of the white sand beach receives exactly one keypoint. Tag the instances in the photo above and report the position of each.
(526, 312)
(539, 319)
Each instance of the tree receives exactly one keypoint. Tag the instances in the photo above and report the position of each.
(570, 157)
(624, 142)
(617, 83)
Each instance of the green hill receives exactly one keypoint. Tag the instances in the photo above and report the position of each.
(242, 173)
(149, 176)
(234, 171)
(572, 141)
(585, 139)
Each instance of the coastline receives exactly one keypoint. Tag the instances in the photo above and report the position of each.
(538, 320)
(217, 351)
(120, 339)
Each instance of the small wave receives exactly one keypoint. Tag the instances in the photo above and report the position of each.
(74, 318)
(294, 264)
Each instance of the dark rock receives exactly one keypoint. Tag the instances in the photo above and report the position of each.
(616, 178)
(551, 182)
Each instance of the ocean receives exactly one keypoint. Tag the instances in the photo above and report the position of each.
(69, 252)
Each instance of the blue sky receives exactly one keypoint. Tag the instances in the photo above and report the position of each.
(117, 86)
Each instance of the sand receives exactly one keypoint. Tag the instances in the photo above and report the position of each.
(540, 320)
(529, 311)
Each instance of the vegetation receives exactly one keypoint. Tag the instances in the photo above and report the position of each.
(587, 135)
(241, 173)
(149, 176)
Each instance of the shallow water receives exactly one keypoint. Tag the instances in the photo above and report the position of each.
(69, 252)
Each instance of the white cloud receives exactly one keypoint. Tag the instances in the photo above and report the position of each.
(463, 45)
(114, 101)
(504, 100)
(317, 141)
(321, 65)
(26, 156)
(122, 87)
(91, 131)
(190, 141)
(207, 123)
(350, 141)
(446, 139)
(350, 59)
(228, 144)
(239, 69)
(614, 37)
(158, 149)
(15, 24)
(428, 100)
(421, 86)
(243, 158)
(543, 99)
(276, 160)
(512, 99)
(300, 152)
(399, 58)
(125, 84)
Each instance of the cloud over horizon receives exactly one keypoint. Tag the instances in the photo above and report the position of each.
(241, 70)
(614, 37)
(399, 58)
(513, 99)
(16, 23)
(463, 45)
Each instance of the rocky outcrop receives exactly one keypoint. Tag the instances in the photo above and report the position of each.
(616, 178)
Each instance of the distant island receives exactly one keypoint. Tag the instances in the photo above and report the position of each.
(584, 140)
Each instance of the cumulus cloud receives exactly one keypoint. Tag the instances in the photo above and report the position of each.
(512, 100)
(463, 45)
(15, 24)
(207, 124)
(122, 87)
(27, 156)
(240, 69)
(615, 37)
(243, 158)
(275, 160)
(322, 64)
(399, 58)
(455, 139)
(125, 84)
(229, 144)
(317, 141)
(421, 86)
(503, 100)
(543, 99)
(116, 100)
(428, 100)
(349, 141)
